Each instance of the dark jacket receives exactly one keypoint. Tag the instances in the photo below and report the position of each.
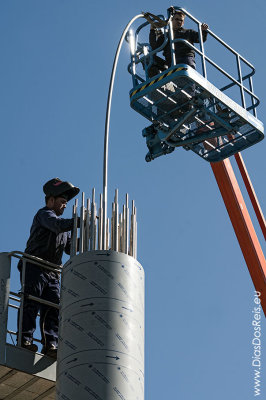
(49, 236)
(181, 49)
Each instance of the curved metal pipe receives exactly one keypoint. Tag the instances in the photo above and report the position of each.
(107, 124)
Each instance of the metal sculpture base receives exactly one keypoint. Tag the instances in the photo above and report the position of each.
(101, 338)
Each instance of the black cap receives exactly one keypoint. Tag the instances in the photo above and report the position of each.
(57, 188)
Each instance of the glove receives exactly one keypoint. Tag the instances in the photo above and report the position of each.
(151, 18)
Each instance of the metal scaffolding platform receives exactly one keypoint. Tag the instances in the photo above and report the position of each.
(212, 115)
(24, 375)
(188, 110)
(27, 376)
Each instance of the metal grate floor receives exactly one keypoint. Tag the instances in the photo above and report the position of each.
(187, 110)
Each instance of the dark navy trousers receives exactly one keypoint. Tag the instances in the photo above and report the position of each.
(45, 285)
(159, 65)
(186, 60)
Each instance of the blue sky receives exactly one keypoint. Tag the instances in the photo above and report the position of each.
(56, 60)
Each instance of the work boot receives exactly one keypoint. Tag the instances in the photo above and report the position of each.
(26, 344)
(50, 350)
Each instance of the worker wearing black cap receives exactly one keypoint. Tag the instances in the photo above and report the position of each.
(183, 53)
(49, 237)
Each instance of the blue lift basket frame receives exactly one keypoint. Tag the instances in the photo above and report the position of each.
(188, 110)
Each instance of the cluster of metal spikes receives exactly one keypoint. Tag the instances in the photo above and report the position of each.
(121, 233)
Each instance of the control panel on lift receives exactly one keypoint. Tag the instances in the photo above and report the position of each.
(184, 107)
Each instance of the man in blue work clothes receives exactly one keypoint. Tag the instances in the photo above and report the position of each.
(183, 53)
(49, 237)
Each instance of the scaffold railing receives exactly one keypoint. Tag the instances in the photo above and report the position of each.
(20, 295)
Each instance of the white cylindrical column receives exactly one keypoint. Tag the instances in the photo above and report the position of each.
(101, 334)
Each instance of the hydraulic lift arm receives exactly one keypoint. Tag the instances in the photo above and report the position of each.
(241, 221)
